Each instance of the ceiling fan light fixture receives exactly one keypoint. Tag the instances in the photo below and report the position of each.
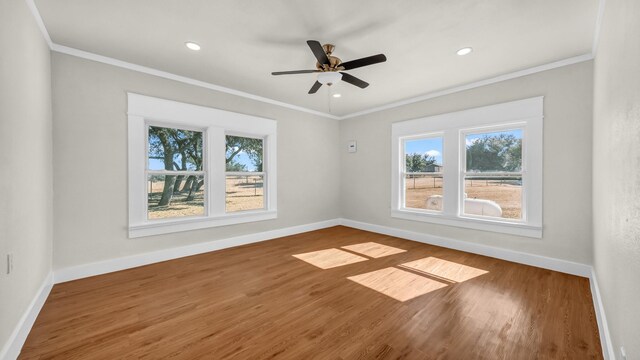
(192, 46)
(336, 95)
(329, 78)
(329, 68)
(464, 51)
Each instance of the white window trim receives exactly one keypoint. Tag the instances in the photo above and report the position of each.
(216, 124)
(526, 114)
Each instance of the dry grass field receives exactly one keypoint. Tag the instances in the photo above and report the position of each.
(179, 206)
(243, 193)
(246, 193)
(508, 196)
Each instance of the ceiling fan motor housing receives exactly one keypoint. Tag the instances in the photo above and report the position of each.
(334, 62)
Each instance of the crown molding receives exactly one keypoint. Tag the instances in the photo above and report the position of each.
(183, 79)
(473, 85)
(36, 15)
(596, 34)
(163, 74)
(167, 75)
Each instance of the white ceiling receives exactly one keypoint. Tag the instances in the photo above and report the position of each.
(243, 41)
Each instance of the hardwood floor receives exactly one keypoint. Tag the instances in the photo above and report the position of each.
(375, 302)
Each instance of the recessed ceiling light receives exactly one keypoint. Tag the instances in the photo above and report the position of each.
(464, 51)
(193, 46)
(336, 95)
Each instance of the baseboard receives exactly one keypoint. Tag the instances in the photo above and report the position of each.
(603, 328)
(123, 263)
(544, 262)
(12, 347)
(127, 262)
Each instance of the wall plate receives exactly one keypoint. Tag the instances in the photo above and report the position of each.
(352, 146)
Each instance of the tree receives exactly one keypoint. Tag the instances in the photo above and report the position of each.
(238, 144)
(163, 142)
(419, 162)
(194, 188)
(513, 157)
(236, 166)
(257, 163)
(179, 150)
(189, 147)
(502, 152)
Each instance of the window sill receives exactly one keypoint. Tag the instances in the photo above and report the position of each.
(470, 223)
(171, 226)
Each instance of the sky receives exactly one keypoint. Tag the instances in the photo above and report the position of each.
(244, 159)
(430, 146)
(472, 137)
(433, 146)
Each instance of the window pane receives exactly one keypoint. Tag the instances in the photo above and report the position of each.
(171, 196)
(493, 196)
(244, 154)
(423, 166)
(244, 192)
(492, 152)
(423, 191)
(174, 149)
(423, 155)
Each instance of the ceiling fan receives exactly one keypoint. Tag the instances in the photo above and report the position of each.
(331, 68)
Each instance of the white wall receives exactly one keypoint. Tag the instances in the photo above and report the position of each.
(616, 176)
(366, 175)
(90, 163)
(25, 158)
(318, 179)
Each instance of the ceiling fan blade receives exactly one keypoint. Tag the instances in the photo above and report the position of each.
(294, 72)
(315, 87)
(354, 80)
(370, 60)
(318, 52)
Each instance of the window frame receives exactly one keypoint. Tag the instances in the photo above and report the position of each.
(263, 173)
(203, 172)
(526, 114)
(464, 172)
(215, 124)
(430, 135)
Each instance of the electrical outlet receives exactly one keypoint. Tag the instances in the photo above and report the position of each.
(623, 354)
(9, 263)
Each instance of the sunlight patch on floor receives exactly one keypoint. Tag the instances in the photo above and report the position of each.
(374, 250)
(397, 284)
(447, 270)
(330, 258)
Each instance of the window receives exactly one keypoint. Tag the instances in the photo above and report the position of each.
(192, 167)
(479, 168)
(423, 173)
(175, 173)
(244, 178)
(493, 160)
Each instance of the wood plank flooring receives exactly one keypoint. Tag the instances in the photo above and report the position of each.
(259, 301)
